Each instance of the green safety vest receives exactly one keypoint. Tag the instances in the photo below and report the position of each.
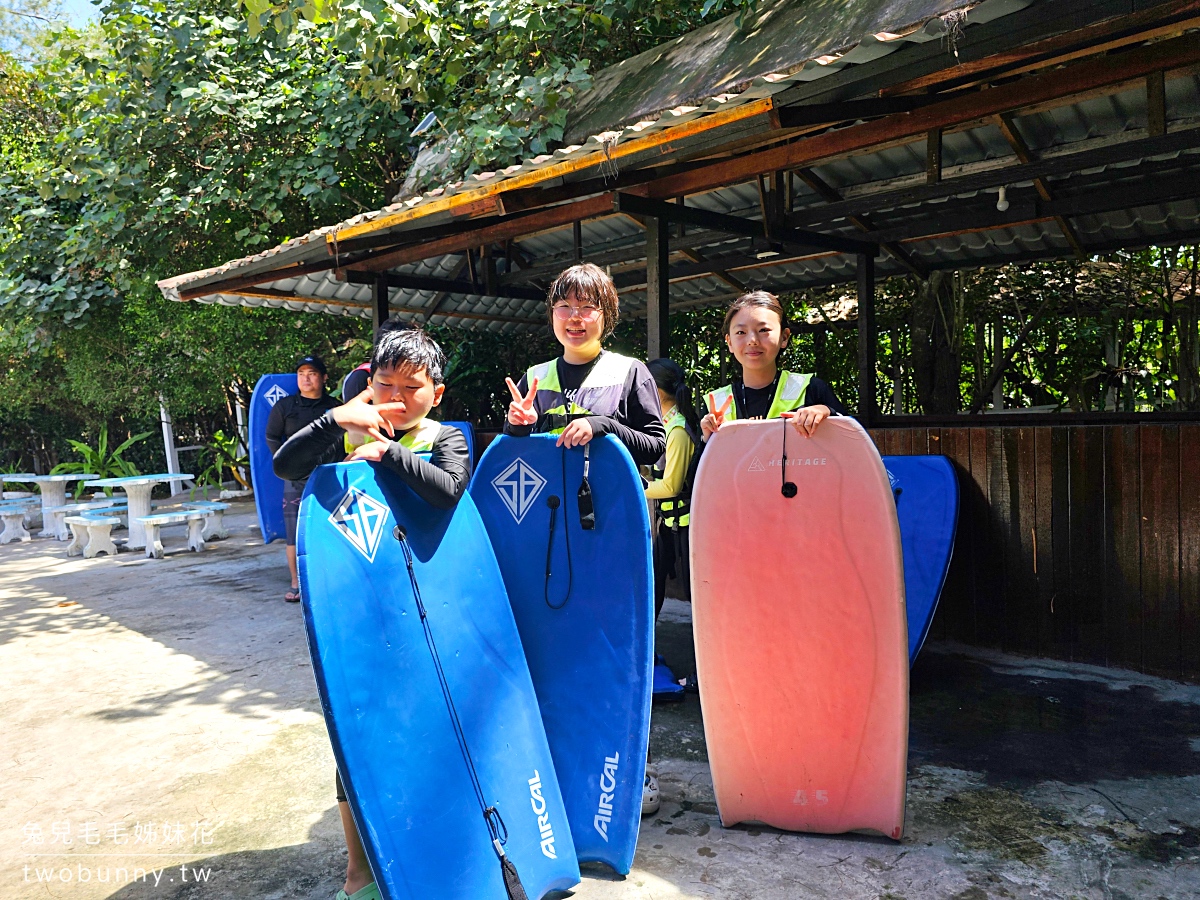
(789, 395)
(670, 509)
(419, 439)
(599, 395)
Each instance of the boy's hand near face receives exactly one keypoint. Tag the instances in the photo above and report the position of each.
(521, 411)
(372, 452)
(358, 416)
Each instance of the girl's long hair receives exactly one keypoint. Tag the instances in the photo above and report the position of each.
(669, 376)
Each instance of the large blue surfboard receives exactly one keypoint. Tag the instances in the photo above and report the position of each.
(268, 487)
(587, 629)
(396, 750)
(468, 431)
(926, 490)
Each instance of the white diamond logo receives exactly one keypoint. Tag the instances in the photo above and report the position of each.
(275, 394)
(756, 466)
(360, 518)
(518, 486)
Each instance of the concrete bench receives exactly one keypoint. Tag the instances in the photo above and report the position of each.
(214, 527)
(13, 514)
(193, 518)
(91, 534)
(54, 515)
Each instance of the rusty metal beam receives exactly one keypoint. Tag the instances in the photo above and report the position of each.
(1008, 128)
(1058, 85)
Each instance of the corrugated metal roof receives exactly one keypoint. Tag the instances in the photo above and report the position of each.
(863, 179)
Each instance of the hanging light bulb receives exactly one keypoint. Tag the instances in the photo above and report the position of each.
(1002, 203)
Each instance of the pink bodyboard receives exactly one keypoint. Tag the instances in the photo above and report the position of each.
(799, 620)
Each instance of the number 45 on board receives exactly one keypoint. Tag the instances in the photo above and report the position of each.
(801, 797)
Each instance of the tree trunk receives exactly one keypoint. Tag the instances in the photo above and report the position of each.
(934, 325)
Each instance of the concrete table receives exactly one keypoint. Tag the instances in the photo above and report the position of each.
(137, 488)
(54, 493)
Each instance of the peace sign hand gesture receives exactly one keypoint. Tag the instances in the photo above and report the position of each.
(716, 417)
(520, 410)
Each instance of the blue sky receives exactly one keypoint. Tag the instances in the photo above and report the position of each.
(78, 11)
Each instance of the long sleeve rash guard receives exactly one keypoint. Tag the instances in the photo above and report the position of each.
(439, 482)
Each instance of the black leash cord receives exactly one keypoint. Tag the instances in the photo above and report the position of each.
(491, 815)
(553, 502)
(788, 488)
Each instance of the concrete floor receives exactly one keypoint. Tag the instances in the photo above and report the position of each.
(159, 714)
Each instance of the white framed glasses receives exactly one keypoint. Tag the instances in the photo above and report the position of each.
(586, 311)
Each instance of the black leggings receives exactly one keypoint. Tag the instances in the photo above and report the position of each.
(670, 561)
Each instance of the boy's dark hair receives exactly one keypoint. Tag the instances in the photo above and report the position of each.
(755, 298)
(395, 323)
(409, 347)
(587, 283)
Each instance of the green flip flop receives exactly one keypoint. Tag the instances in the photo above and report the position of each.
(370, 892)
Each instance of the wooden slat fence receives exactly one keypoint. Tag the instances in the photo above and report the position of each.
(1079, 542)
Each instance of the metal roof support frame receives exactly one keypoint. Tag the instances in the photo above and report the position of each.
(658, 287)
(868, 340)
(380, 303)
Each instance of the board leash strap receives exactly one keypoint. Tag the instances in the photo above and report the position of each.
(495, 824)
(587, 512)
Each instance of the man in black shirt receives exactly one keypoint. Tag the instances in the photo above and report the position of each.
(288, 416)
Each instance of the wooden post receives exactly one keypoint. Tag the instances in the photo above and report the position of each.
(866, 339)
(490, 281)
(1156, 104)
(897, 375)
(577, 239)
(933, 156)
(658, 288)
(997, 360)
(380, 302)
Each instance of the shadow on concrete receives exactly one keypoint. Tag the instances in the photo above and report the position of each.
(310, 871)
(1019, 730)
(223, 608)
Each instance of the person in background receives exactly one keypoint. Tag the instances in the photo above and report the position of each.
(671, 491)
(288, 416)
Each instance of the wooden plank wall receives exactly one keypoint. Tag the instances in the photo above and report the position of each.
(1080, 542)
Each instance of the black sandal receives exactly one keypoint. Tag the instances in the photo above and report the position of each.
(293, 595)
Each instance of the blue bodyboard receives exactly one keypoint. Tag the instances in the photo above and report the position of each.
(268, 487)
(468, 431)
(404, 773)
(592, 657)
(926, 491)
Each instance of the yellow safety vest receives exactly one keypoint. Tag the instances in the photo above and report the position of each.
(599, 395)
(789, 395)
(419, 439)
(667, 507)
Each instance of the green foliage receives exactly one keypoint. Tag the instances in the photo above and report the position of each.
(497, 73)
(174, 142)
(223, 454)
(24, 25)
(99, 461)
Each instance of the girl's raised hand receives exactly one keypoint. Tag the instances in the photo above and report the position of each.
(807, 418)
(520, 410)
(716, 417)
(358, 416)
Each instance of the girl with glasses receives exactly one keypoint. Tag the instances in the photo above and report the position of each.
(588, 391)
